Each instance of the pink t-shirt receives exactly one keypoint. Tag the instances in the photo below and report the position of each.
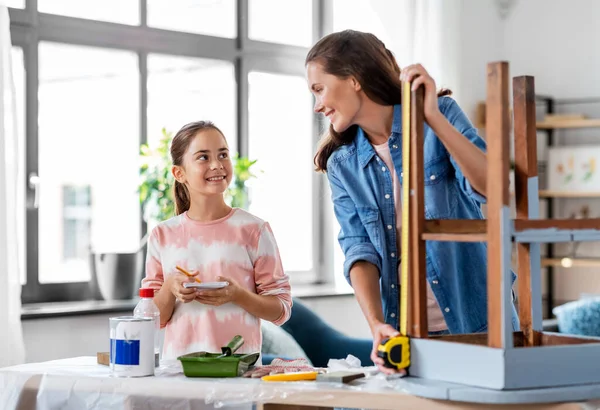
(239, 246)
(435, 317)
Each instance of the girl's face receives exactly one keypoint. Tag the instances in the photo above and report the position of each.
(207, 168)
(338, 99)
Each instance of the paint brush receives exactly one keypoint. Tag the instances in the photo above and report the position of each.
(186, 273)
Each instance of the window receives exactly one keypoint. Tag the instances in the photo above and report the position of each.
(17, 4)
(209, 17)
(279, 139)
(77, 223)
(88, 142)
(114, 11)
(18, 71)
(285, 22)
(202, 89)
(96, 91)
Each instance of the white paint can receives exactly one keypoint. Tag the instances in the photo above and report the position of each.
(131, 346)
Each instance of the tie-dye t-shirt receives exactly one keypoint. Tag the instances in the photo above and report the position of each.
(239, 246)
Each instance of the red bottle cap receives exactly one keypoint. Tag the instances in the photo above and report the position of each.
(146, 293)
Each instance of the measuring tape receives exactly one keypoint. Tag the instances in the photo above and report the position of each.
(395, 351)
(406, 131)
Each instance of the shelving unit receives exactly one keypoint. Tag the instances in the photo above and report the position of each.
(571, 262)
(565, 124)
(551, 261)
(545, 193)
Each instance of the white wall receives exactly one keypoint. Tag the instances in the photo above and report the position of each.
(58, 338)
(558, 43)
(481, 42)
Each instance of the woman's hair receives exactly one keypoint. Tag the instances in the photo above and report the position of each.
(179, 146)
(364, 57)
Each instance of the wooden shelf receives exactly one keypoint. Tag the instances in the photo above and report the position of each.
(522, 225)
(459, 230)
(567, 262)
(578, 123)
(545, 193)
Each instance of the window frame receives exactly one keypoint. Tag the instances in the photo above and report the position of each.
(29, 27)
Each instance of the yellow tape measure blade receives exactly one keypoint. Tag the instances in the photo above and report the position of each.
(406, 125)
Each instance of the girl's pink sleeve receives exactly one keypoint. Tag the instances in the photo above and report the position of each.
(269, 276)
(154, 272)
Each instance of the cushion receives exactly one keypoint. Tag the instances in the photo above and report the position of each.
(278, 342)
(580, 317)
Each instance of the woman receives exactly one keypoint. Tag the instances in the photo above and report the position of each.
(356, 84)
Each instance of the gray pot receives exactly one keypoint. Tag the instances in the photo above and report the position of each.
(118, 275)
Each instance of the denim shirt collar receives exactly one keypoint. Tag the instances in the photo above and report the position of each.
(364, 148)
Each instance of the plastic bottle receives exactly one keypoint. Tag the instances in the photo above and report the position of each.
(147, 308)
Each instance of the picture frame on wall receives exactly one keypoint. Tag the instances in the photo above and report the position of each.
(574, 168)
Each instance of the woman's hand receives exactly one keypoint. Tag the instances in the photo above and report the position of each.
(218, 297)
(380, 332)
(417, 75)
(175, 285)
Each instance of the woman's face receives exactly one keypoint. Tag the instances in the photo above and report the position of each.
(338, 99)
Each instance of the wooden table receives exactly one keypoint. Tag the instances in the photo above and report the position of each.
(82, 383)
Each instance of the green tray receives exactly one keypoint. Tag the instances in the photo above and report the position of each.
(203, 364)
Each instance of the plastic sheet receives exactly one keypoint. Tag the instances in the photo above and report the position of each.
(11, 386)
(81, 384)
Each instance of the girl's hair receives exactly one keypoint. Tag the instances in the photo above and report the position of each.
(364, 57)
(179, 146)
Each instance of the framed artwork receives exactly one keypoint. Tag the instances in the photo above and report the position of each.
(574, 168)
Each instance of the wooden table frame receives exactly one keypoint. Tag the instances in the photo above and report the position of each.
(512, 360)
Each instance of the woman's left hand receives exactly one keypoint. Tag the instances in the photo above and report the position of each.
(417, 75)
(218, 297)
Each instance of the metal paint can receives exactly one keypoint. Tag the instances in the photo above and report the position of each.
(131, 346)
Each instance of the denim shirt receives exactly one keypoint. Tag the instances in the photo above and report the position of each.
(362, 194)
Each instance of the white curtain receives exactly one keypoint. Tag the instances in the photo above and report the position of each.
(12, 350)
(416, 31)
(425, 32)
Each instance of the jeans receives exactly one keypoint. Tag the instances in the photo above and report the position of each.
(321, 342)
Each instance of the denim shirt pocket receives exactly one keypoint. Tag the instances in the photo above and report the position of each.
(369, 217)
(440, 189)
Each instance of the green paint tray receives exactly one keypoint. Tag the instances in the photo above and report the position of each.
(203, 364)
(224, 364)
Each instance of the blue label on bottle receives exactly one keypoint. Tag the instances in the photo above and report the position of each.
(126, 352)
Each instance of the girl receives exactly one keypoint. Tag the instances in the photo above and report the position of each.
(356, 84)
(217, 243)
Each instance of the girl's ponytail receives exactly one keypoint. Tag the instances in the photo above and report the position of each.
(182, 198)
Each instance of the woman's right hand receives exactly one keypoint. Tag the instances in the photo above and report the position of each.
(380, 332)
(176, 281)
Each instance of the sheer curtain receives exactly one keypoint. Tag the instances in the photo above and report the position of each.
(12, 350)
(416, 31)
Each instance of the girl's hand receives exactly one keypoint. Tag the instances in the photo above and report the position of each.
(417, 75)
(218, 297)
(175, 285)
(382, 331)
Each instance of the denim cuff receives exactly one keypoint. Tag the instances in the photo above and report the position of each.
(472, 192)
(361, 252)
